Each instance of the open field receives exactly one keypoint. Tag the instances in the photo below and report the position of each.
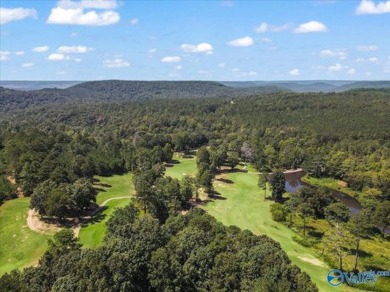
(19, 246)
(114, 193)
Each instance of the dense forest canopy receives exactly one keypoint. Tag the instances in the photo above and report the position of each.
(341, 135)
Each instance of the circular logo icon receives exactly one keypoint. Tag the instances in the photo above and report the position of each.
(335, 277)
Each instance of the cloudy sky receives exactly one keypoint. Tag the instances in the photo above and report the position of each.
(195, 40)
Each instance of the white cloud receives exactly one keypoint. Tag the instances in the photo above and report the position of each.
(56, 57)
(369, 7)
(266, 40)
(360, 60)
(4, 55)
(89, 4)
(265, 27)
(340, 53)
(73, 49)
(351, 71)
(116, 63)
(252, 73)
(242, 42)
(221, 65)
(179, 67)
(199, 48)
(74, 35)
(27, 65)
(203, 72)
(14, 14)
(19, 53)
(294, 72)
(71, 12)
(262, 28)
(134, 21)
(335, 68)
(236, 70)
(152, 51)
(60, 72)
(171, 59)
(78, 60)
(370, 48)
(311, 26)
(373, 60)
(40, 49)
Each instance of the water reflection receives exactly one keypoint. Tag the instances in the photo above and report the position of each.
(293, 183)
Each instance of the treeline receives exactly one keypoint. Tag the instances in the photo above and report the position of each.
(186, 253)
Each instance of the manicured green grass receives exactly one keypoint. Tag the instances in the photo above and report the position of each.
(19, 246)
(242, 204)
(91, 235)
(185, 166)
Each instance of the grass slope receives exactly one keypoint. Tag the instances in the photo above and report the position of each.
(19, 246)
(91, 235)
(242, 204)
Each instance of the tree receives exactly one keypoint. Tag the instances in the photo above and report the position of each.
(233, 159)
(360, 226)
(337, 213)
(382, 215)
(277, 183)
(336, 239)
(246, 152)
(203, 157)
(205, 180)
(83, 194)
(64, 240)
(305, 211)
(262, 183)
(59, 203)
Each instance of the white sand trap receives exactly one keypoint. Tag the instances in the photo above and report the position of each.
(312, 260)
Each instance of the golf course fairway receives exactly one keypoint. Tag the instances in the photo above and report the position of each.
(114, 192)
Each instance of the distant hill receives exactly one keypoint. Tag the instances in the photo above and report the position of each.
(364, 84)
(35, 85)
(117, 90)
(136, 90)
(313, 86)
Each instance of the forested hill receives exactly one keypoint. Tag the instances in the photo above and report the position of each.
(138, 90)
(117, 90)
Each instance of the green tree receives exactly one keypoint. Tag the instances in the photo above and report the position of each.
(262, 183)
(305, 211)
(277, 183)
(359, 226)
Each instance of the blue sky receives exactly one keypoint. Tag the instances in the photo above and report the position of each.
(195, 40)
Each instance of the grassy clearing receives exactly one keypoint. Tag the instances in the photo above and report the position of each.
(91, 235)
(19, 246)
(242, 204)
(181, 167)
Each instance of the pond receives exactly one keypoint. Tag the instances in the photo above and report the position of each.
(294, 182)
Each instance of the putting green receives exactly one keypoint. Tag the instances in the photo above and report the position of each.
(19, 246)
